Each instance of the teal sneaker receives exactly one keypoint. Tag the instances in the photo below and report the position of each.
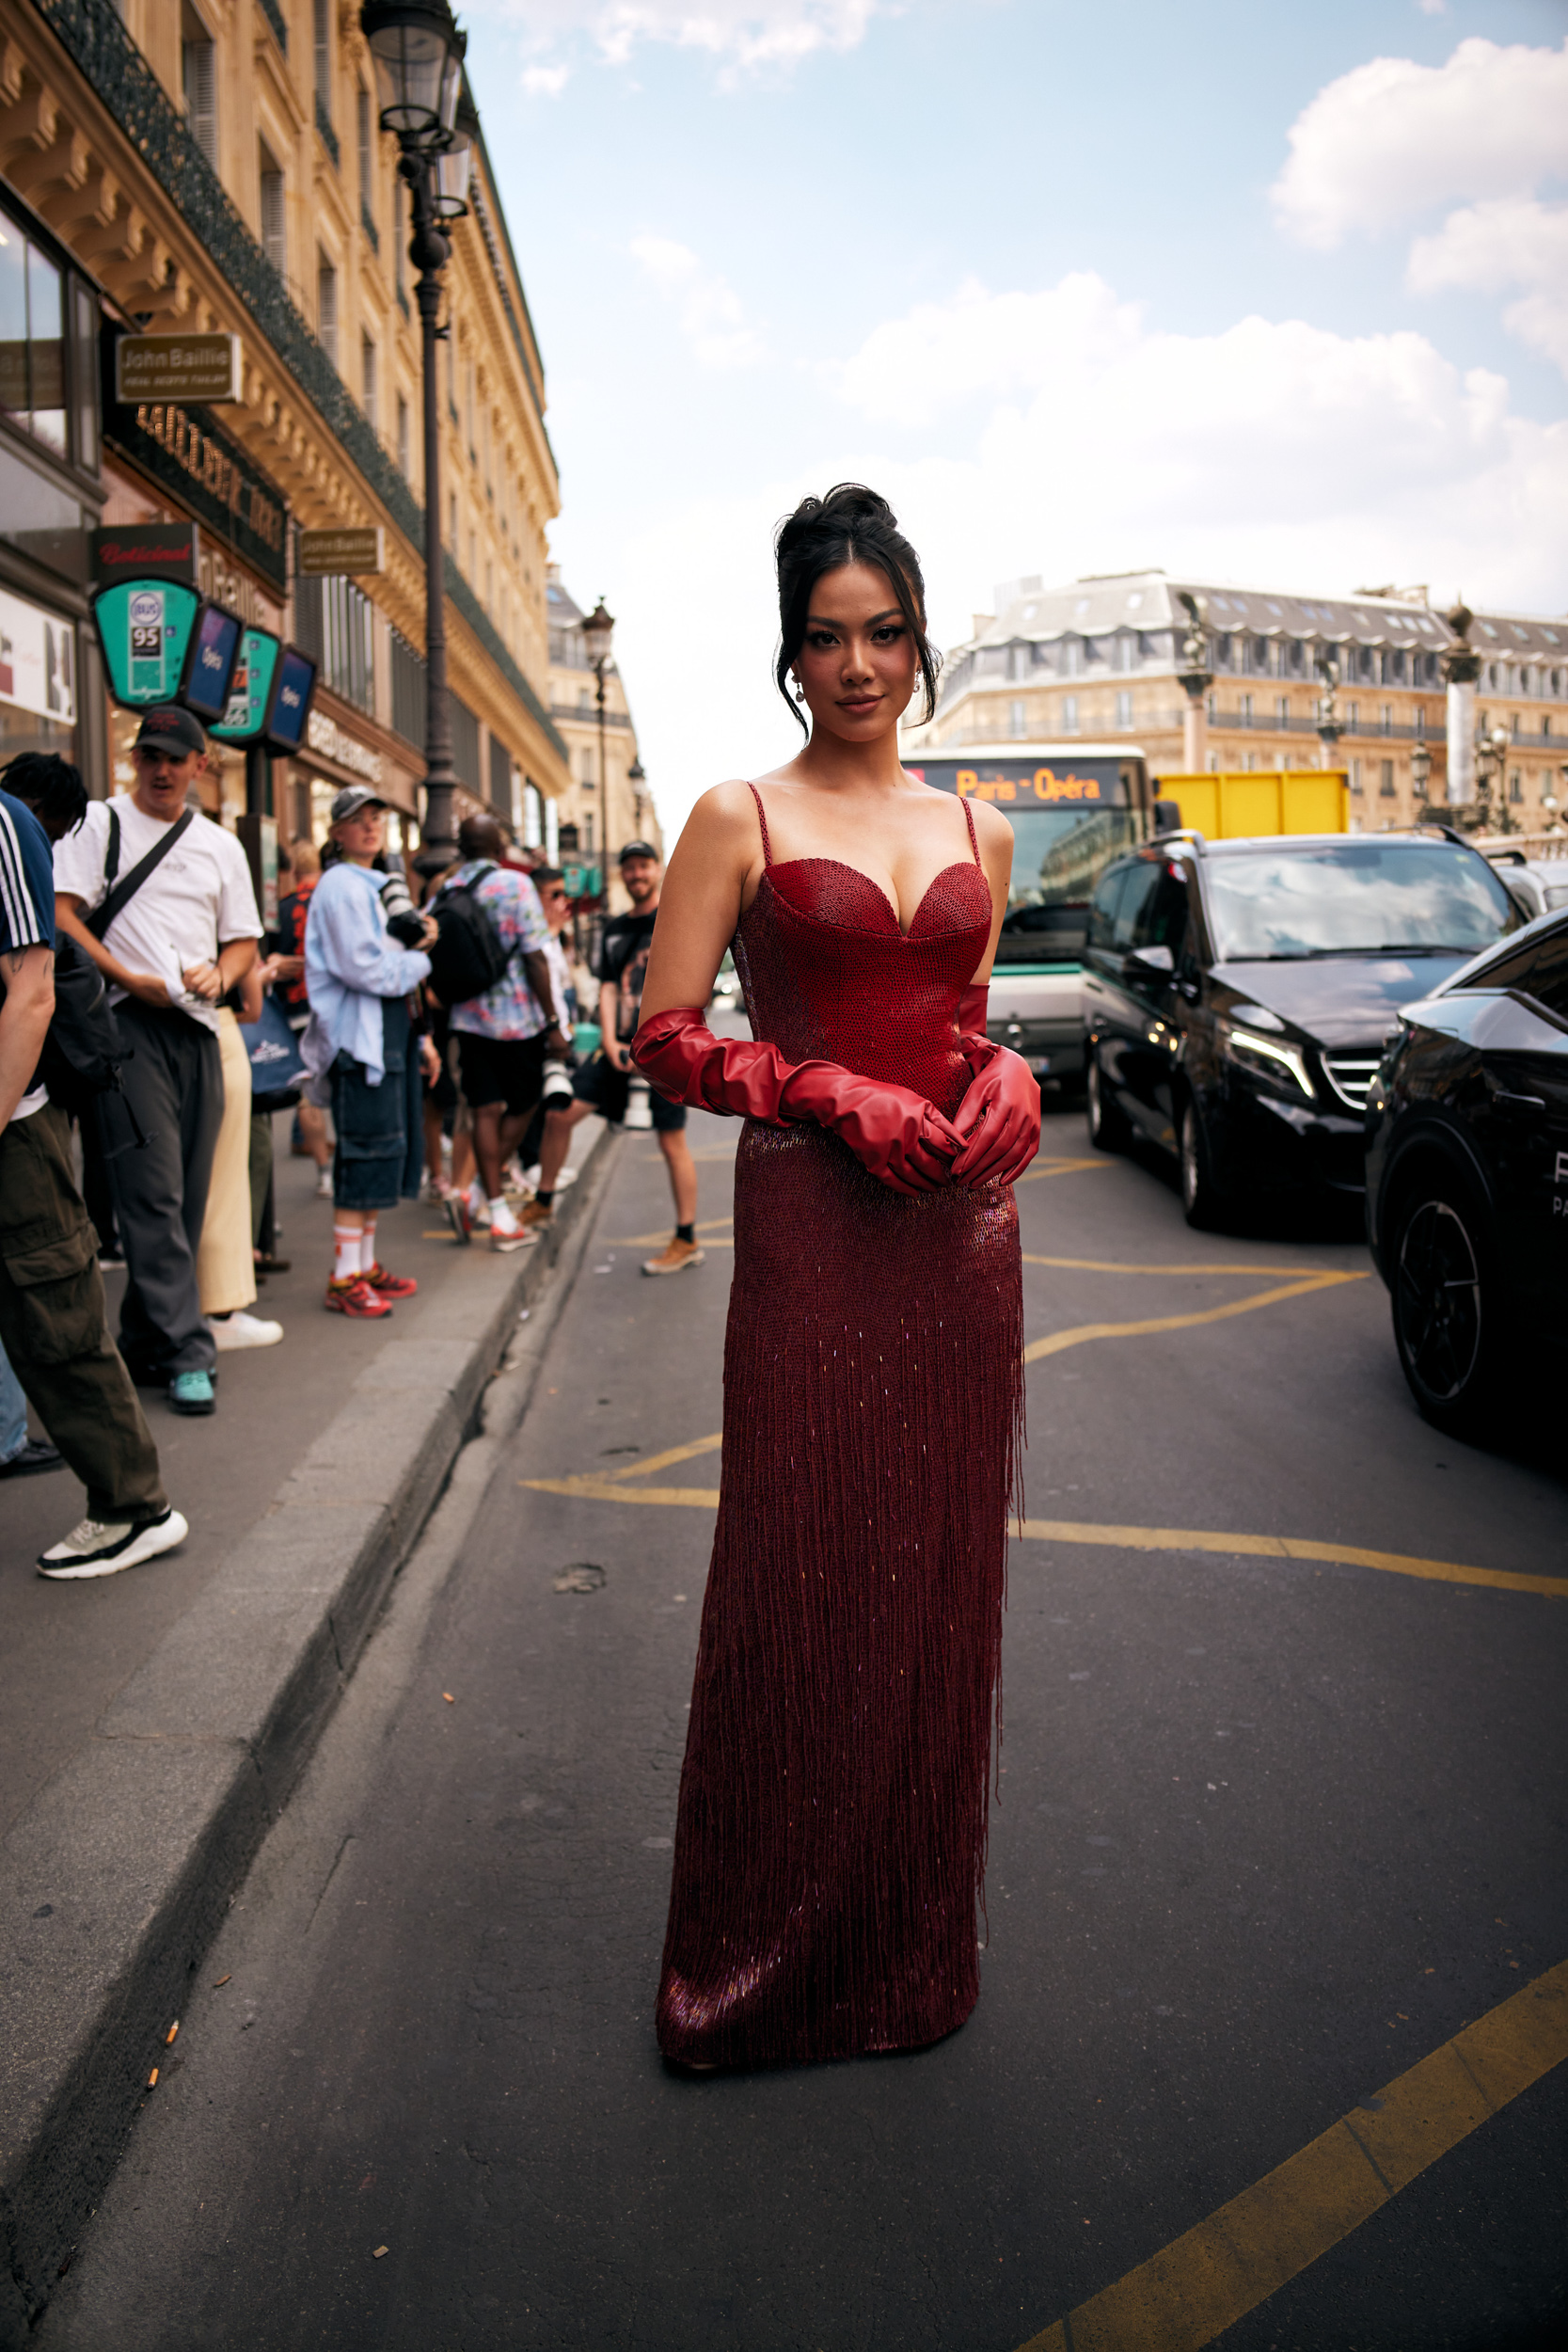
(192, 1392)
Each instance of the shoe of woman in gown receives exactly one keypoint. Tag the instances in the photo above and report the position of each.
(830, 1837)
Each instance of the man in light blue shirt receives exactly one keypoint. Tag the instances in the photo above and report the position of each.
(359, 982)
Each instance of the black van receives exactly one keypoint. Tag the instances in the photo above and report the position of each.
(1237, 996)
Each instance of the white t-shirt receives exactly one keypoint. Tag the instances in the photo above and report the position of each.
(196, 901)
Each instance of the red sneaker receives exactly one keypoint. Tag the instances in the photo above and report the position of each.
(355, 1296)
(389, 1285)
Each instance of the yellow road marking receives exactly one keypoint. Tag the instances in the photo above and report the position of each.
(1054, 1344)
(1110, 1265)
(708, 1235)
(1189, 2293)
(609, 1486)
(1060, 1168)
(1290, 1547)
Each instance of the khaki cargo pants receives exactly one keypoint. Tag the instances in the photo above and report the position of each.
(54, 1329)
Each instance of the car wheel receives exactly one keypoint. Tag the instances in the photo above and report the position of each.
(1108, 1129)
(1447, 1310)
(1203, 1203)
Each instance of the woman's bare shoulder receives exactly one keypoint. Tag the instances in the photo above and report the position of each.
(721, 811)
(993, 828)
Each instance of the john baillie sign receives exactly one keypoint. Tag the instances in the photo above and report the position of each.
(188, 453)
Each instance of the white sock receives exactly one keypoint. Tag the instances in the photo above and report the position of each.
(345, 1252)
(367, 1247)
(501, 1217)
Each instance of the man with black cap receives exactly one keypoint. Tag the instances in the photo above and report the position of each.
(605, 1085)
(161, 899)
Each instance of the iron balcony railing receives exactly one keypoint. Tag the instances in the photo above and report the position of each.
(92, 36)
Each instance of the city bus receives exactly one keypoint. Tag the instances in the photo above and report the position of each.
(1073, 807)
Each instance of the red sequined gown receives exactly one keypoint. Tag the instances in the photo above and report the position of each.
(831, 1830)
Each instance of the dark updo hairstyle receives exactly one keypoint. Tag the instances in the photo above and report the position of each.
(851, 525)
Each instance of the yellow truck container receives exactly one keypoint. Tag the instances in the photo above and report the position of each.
(1262, 800)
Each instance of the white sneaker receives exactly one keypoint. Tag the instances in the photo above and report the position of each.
(103, 1546)
(241, 1331)
(324, 1184)
(505, 1232)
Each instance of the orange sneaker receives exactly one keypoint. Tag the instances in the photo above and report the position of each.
(354, 1296)
(389, 1285)
(675, 1259)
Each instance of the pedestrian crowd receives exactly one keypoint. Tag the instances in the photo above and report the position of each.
(146, 1023)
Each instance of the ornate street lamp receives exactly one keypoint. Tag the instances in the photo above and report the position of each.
(419, 64)
(597, 631)
(1420, 775)
(1330, 725)
(1194, 678)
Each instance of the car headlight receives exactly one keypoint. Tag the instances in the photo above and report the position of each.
(1268, 1059)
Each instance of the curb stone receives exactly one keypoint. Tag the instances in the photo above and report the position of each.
(113, 1880)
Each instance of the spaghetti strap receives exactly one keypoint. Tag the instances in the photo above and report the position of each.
(762, 820)
(969, 820)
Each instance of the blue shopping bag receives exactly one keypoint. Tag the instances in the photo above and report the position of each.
(275, 1067)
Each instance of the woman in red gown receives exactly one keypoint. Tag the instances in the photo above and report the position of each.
(831, 1839)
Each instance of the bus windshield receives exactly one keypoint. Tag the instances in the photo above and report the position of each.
(1059, 856)
(1071, 813)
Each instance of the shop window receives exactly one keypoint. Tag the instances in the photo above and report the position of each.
(367, 160)
(32, 339)
(275, 240)
(198, 73)
(327, 306)
(465, 746)
(409, 690)
(501, 781)
(336, 624)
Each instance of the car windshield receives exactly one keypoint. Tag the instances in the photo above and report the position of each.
(1355, 898)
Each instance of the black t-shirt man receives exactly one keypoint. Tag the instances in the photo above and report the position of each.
(624, 965)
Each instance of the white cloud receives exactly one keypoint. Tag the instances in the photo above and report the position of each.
(546, 81)
(1507, 240)
(1389, 141)
(710, 313)
(743, 36)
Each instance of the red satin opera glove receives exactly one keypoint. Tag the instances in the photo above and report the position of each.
(999, 1118)
(897, 1134)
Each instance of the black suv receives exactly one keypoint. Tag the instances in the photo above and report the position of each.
(1468, 1174)
(1238, 995)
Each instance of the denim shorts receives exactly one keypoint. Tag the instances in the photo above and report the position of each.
(378, 1137)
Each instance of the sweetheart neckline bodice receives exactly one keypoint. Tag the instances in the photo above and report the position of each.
(960, 866)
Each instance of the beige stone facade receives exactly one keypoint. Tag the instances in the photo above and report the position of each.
(574, 708)
(298, 246)
(1100, 658)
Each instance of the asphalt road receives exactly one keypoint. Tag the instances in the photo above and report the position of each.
(1274, 1827)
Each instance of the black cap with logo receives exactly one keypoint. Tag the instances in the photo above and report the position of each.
(169, 728)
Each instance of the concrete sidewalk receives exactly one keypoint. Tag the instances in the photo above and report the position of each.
(152, 1724)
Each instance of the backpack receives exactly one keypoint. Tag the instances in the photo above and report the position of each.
(84, 1048)
(468, 958)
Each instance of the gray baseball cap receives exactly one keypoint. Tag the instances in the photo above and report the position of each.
(352, 799)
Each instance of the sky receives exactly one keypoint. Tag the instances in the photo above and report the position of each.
(1270, 296)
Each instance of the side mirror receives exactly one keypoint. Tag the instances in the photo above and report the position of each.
(1153, 959)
